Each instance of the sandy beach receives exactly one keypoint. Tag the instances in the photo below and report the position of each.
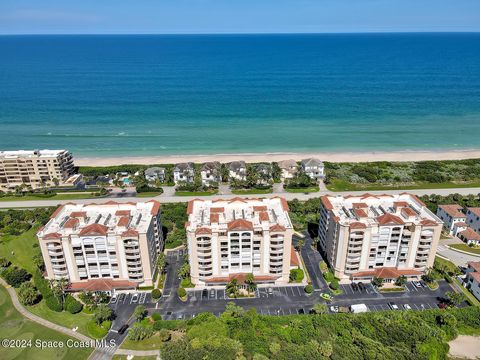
(325, 156)
(465, 347)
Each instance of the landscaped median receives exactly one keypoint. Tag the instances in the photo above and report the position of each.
(473, 250)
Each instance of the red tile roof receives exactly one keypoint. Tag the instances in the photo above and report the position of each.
(277, 228)
(389, 219)
(123, 221)
(360, 213)
(241, 278)
(408, 212)
(264, 216)
(240, 224)
(71, 223)
(359, 205)
(367, 195)
(122, 213)
(94, 229)
(326, 202)
(460, 224)
(453, 210)
(386, 273)
(293, 257)
(78, 214)
(475, 210)
(260, 208)
(214, 218)
(469, 234)
(130, 233)
(235, 199)
(52, 236)
(428, 222)
(217, 210)
(155, 207)
(203, 231)
(56, 212)
(357, 225)
(476, 276)
(475, 265)
(400, 204)
(102, 285)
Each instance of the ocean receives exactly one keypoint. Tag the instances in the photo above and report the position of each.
(108, 96)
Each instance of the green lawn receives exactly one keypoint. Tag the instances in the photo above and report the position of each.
(195, 193)
(173, 245)
(465, 247)
(18, 249)
(341, 185)
(14, 326)
(66, 319)
(251, 191)
(152, 343)
(54, 197)
(305, 190)
(149, 194)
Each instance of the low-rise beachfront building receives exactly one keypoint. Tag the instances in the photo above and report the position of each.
(314, 168)
(210, 173)
(384, 236)
(473, 218)
(289, 168)
(230, 238)
(237, 170)
(103, 246)
(451, 214)
(35, 168)
(472, 280)
(469, 236)
(155, 173)
(184, 173)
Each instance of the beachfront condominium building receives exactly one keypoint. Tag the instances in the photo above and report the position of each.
(230, 238)
(103, 247)
(35, 168)
(453, 217)
(384, 236)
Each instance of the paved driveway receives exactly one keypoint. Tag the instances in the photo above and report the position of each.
(311, 259)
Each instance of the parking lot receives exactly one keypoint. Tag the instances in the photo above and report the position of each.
(358, 289)
(262, 292)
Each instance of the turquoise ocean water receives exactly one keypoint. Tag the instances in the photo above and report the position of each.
(209, 94)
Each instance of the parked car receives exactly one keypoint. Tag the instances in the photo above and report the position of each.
(334, 309)
(393, 306)
(134, 298)
(212, 293)
(301, 311)
(204, 293)
(114, 299)
(122, 330)
(407, 307)
(270, 291)
(417, 284)
(442, 305)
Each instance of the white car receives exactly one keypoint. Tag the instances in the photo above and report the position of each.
(134, 298)
(113, 299)
(407, 307)
(334, 309)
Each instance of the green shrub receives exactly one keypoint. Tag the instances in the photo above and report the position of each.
(309, 289)
(156, 294)
(296, 275)
(164, 335)
(323, 266)
(139, 332)
(181, 292)
(16, 276)
(328, 276)
(28, 294)
(72, 305)
(334, 284)
(4, 263)
(54, 303)
(156, 316)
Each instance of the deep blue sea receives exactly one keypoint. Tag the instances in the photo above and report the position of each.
(205, 94)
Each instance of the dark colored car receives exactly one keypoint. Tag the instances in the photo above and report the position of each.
(301, 311)
(122, 330)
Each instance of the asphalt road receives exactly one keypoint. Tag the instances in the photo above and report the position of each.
(458, 258)
(168, 198)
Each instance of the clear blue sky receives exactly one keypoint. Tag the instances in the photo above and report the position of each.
(235, 16)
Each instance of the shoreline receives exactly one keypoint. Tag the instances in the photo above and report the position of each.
(394, 156)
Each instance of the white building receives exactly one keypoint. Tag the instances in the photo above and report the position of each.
(473, 218)
(35, 168)
(289, 168)
(237, 170)
(184, 172)
(450, 215)
(314, 168)
(154, 174)
(103, 247)
(210, 173)
(472, 280)
(230, 238)
(383, 236)
(469, 236)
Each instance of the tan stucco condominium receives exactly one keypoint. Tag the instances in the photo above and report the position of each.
(383, 236)
(103, 247)
(34, 168)
(230, 238)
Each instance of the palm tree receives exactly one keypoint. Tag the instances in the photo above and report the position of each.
(250, 282)
(232, 288)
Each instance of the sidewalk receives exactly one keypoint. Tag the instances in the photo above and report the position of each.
(136, 353)
(39, 320)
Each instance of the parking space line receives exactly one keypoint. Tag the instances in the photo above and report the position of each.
(298, 290)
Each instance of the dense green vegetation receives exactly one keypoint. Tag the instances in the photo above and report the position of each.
(14, 326)
(305, 214)
(174, 217)
(432, 201)
(385, 175)
(238, 334)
